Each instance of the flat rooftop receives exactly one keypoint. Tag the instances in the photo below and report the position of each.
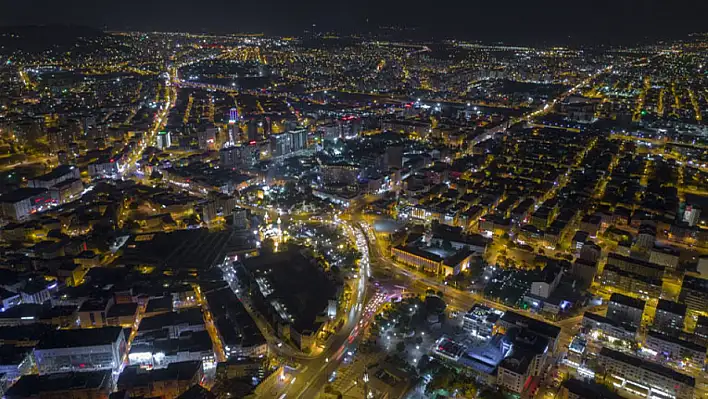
(647, 365)
(181, 250)
(34, 385)
(80, 338)
(296, 282)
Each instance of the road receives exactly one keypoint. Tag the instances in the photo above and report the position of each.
(456, 299)
(315, 373)
(159, 122)
(315, 369)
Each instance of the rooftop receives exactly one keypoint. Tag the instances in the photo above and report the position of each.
(626, 301)
(80, 338)
(589, 390)
(539, 327)
(134, 376)
(647, 365)
(34, 385)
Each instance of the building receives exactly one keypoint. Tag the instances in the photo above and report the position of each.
(81, 350)
(647, 236)
(480, 320)
(166, 383)
(691, 215)
(241, 367)
(431, 262)
(675, 349)
(669, 316)
(252, 130)
(86, 385)
(163, 140)
(665, 256)
(636, 266)
(590, 251)
(298, 139)
(694, 293)
(104, 168)
(236, 329)
(239, 216)
(57, 175)
(625, 309)
(293, 293)
(206, 138)
(610, 328)
(578, 389)
(585, 270)
(20, 204)
(524, 359)
(158, 350)
(173, 324)
(229, 157)
(701, 329)
(92, 313)
(280, 144)
(66, 191)
(511, 319)
(629, 282)
(550, 278)
(340, 173)
(643, 378)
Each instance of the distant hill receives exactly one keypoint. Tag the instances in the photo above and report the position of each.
(37, 39)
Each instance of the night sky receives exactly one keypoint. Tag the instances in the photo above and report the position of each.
(510, 20)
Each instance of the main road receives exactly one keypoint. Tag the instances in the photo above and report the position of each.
(314, 374)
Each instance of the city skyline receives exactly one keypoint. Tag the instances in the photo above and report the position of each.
(546, 21)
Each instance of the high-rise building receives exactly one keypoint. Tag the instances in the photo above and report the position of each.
(240, 218)
(252, 130)
(267, 127)
(234, 132)
(280, 144)
(164, 140)
(691, 215)
(298, 139)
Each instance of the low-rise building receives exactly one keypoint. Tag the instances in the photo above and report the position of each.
(166, 383)
(524, 360)
(665, 256)
(643, 378)
(86, 385)
(510, 319)
(610, 328)
(675, 349)
(20, 204)
(627, 281)
(578, 389)
(81, 350)
(480, 320)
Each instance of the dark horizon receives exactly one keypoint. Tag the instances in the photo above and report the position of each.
(519, 21)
